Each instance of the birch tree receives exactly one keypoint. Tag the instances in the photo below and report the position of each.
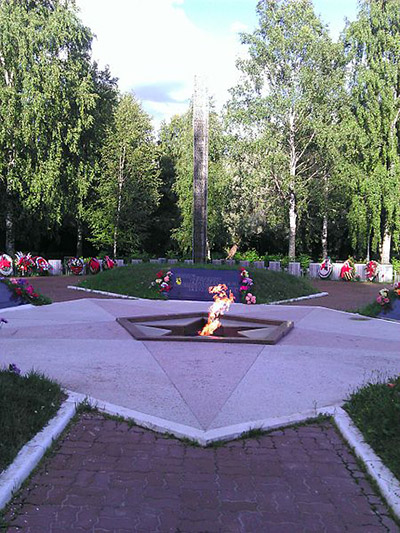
(128, 191)
(372, 44)
(281, 101)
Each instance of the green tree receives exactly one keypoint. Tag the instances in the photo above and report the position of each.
(42, 47)
(282, 103)
(372, 44)
(128, 192)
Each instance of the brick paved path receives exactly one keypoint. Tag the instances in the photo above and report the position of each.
(108, 477)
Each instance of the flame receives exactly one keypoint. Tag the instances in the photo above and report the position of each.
(221, 304)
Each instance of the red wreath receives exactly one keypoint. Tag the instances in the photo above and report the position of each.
(371, 268)
(347, 271)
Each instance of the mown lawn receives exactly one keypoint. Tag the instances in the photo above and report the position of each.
(27, 403)
(375, 409)
(135, 280)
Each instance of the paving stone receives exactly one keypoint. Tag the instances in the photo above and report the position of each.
(294, 480)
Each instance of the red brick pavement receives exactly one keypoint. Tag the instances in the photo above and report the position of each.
(108, 477)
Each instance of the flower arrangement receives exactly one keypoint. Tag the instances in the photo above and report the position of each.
(246, 283)
(163, 282)
(22, 289)
(24, 263)
(6, 265)
(93, 265)
(42, 266)
(371, 270)
(108, 263)
(348, 270)
(325, 269)
(76, 265)
(396, 288)
(383, 297)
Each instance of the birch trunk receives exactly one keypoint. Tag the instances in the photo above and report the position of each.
(385, 247)
(79, 239)
(324, 234)
(292, 195)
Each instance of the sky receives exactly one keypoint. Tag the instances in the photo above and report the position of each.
(156, 47)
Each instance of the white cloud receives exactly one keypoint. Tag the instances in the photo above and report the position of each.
(153, 42)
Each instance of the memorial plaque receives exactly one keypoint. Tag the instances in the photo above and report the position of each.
(193, 283)
(7, 298)
(393, 312)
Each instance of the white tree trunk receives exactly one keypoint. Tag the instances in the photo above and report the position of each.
(385, 247)
(324, 236)
(292, 195)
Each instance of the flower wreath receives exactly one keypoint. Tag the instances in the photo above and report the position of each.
(94, 265)
(348, 270)
(163, 281)
(246, 283)
(42, 265)
(24, 263)
(325, 269)
(108, 263)
(76, 265)
(6, 265)
(371, 269)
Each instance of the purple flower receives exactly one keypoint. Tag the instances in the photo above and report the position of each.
(14, 369)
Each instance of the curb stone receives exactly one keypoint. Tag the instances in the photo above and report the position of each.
(30, 455)
(105, 293)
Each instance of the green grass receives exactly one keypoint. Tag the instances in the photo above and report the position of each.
(375, 409)
(373, 309)
(26, 404)
(135, 280)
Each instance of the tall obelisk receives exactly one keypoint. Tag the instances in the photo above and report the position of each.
(200, 170)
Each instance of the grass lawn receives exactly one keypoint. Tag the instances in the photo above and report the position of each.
(374, 308)
(134, 280)
(27, 403)
(375, 409)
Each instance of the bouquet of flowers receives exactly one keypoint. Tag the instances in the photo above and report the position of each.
(246, 283)
(163, 282)
(396, 288)
(371, 269)
(24, 263)
(383, 297)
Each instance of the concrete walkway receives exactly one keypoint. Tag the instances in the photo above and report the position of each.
(327, 355)
(303, 484)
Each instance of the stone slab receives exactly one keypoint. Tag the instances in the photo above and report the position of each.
(194, 283)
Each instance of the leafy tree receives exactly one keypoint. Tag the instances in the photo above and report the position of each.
(372, 44)
(43, 46)
(128, 192)
(282, 103)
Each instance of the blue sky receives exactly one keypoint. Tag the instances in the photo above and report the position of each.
(155, 47)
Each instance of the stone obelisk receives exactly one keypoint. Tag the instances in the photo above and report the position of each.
(200, 170)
